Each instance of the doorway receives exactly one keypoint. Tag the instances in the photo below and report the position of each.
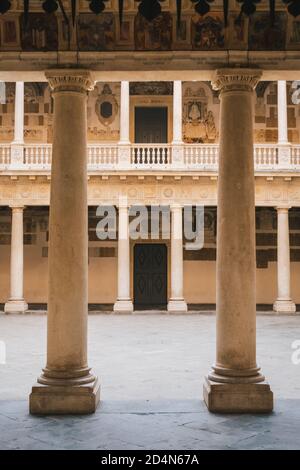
(150, 276)
(151, 125)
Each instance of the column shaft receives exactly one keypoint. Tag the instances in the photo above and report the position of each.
(176, 302)
(124, 114)
(177, 112)
(16, 303)
(68, 386)
(17, 145)
(233, 385)
(284, 303)
(19, 113)
(124, 302)
(282, 112)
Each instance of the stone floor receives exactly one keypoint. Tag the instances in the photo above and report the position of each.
(151, 368)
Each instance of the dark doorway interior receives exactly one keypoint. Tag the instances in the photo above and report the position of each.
(151, 125)
(150, 276)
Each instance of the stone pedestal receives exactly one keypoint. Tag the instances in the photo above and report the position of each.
(235, 383)
(72, 399)
(240, 398)
(67, 384)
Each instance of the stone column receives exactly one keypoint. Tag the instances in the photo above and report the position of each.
(17, 146)
(67, 385)
(124, 302)
(124, 142)
(124, 114)
(16, 302)
(176, 302)
(284, 303)
(282, 113)
(235, 384)
(177, 143)
(177, 112)
(284, 148)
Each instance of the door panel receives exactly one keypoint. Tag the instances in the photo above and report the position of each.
(150, 276)
(151, 125)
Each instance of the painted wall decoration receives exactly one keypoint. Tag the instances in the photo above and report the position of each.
(103, 32)
(155, 35)
(198, 114)
(293, 40)
(208, 32)
(125, 33)
(182, 34)
(265, 36)
(151, 88)
(41, 33)
(10, 32)
(103, 113)
(237, 33)
(96, 33)
(106, 106)
(266, 114)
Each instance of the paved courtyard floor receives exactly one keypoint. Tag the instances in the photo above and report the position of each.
(151, 369)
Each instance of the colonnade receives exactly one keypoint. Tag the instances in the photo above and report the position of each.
(235, 383)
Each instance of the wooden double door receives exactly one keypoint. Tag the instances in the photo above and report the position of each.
(150, 276)
(151, 125)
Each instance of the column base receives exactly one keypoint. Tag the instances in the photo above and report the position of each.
(178, 305)
(284, 306)
(238, 397)
(123, 306)
(64, 399)
(15, 306)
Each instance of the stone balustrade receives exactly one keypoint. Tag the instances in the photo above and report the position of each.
(186, 157)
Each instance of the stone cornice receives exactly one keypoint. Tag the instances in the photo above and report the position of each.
(78, 81)
(142, 66)
(236, 79)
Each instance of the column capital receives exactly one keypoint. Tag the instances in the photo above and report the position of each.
(176, 207)
(17, 207)
(68, 80)
(236, 79)
(123, 202)
(283, 209)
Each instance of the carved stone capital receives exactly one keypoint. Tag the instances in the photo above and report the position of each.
(236, 80)
(74, 81)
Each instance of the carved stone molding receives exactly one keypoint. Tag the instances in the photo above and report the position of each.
(228, 80)
(76, 81)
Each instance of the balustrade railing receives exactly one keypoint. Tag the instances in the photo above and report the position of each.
(265, 156)
(201, 155)
(295, 155)
(37, 155)
(4, 154)
(102, 155)
(151, 156)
